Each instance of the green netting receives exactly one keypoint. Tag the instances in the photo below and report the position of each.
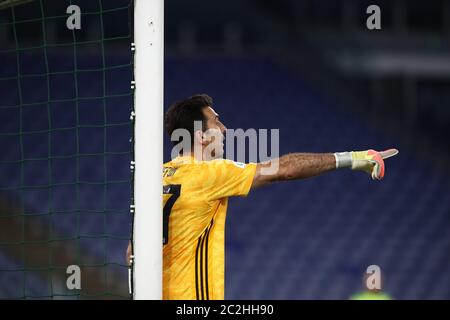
(65, 149)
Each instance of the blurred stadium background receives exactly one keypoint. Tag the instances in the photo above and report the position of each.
(310, 68)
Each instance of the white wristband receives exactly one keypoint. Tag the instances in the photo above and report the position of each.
(343, 160)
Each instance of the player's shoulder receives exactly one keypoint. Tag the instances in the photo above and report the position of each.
(189, 161)
(182, 164)
(183, 169)
(192, 165)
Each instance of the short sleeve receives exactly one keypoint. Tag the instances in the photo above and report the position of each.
(228, 178)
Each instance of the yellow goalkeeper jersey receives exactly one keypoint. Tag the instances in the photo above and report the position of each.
(195, 195)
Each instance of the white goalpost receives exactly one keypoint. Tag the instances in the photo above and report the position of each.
(148, 139)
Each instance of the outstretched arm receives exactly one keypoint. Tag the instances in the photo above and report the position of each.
(305, 165)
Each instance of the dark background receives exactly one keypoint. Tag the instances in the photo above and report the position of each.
(309, 68)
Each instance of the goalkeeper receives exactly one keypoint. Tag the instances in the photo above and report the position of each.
(196, 188)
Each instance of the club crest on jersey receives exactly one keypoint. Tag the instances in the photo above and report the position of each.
(168, 171)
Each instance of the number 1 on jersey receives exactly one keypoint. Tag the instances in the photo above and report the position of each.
(174, 190)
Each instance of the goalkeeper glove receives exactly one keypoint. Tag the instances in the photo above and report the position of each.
(369, 161)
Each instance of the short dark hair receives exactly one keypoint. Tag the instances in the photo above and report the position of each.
(182, 114)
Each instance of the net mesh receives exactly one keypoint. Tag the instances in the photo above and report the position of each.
(65, 149)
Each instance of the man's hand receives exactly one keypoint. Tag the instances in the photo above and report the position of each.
(128, 254)
(369, 161)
